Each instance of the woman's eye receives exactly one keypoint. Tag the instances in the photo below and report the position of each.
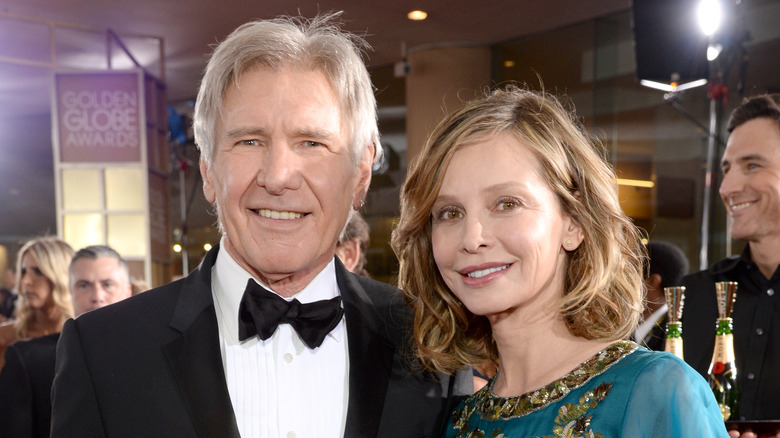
(446, 215)
(507, 205)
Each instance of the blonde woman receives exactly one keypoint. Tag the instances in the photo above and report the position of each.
(514, 249)
(44, 301)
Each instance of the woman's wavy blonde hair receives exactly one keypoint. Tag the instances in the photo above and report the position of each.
(604, 292)
(53, 257)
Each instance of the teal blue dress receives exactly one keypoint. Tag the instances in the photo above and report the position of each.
(623, 391)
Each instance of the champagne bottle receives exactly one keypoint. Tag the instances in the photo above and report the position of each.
(723, 369)
(675, 297)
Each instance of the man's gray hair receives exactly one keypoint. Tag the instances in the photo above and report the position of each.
(318, 44)
(94, 252)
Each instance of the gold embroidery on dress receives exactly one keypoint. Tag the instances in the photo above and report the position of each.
(572, 421)
(491, 407)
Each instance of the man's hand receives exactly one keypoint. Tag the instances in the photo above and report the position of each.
(748, 434)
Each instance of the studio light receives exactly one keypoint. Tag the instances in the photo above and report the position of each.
(713, 51)
(674, 86)
(709, 15)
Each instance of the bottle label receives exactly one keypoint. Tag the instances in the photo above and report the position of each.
(724, 349)
(674, 346)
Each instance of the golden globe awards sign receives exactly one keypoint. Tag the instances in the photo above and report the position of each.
(98, 117)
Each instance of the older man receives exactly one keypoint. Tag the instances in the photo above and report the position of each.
(271, 336)
(751, 194)
(98, 277)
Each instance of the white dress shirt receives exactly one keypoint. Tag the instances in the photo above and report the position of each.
(645, 326)
(279, 387)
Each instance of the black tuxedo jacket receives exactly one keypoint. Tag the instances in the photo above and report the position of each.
(25, 388)
(150, 366)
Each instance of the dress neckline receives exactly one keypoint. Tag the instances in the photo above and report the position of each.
(494, 407)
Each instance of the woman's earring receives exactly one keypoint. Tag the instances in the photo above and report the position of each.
(567, 243)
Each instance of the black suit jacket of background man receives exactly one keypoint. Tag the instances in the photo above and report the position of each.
(25, 388)
(151, 366)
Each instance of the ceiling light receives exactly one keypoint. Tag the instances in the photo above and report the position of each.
(417, 15)
(635, 183)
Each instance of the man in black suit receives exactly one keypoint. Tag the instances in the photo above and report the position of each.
(750, 192)
(270, 336)
(98, 277)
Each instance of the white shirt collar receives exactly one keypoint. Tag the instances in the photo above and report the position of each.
(645, 326)
(229, 281)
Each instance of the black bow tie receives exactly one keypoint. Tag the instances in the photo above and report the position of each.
(261, 311)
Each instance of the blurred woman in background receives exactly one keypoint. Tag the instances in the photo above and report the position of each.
(44, 302)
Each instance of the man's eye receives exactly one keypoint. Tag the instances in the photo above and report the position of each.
(249, 142)
(312, 144)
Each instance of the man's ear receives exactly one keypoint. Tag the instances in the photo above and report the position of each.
(208, 186)
(349, 254)
(128, 290)
(654, 281)
(363, 178)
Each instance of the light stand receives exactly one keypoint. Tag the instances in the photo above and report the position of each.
(716, 93)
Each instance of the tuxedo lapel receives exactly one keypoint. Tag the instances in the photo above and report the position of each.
(195, 357)
(370, 358)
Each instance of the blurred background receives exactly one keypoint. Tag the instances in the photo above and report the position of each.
(647, 82)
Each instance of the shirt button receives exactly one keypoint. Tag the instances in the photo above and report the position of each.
(289, 358)
(759, 332)
(770, 292)
(751, 376)
(290, 434)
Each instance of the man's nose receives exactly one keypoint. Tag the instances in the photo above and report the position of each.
(99, 294)
(279, 169)
(732, 183)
